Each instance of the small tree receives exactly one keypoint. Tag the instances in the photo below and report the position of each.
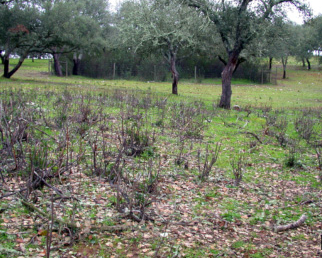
(304, 49)
(316, 24)
(19, 33)
(160, 25)
(238, 22)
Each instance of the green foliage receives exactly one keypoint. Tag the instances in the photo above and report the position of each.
(238, 244)
(231, 216)
(7, 243)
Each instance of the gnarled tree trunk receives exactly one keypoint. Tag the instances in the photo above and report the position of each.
(303, 62)
(76, 61)
(270, 63)
(226, 77)
(308, 64)
(284, 62)
(6, 72)
(6, 66)
(57, 66)
(175, 74)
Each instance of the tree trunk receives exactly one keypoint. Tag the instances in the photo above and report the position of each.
(15, 69)
(226, 77)
(308, 64)
(6, 72)
(57, 67)
(284, 62)
(6, 66)
(270, 63)
(76, 61)
(76, 66)
(303, 62)
(175, 74)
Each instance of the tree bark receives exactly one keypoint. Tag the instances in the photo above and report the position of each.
(293, 225)
(76, 61)
(6, 66)
(175, 74)
(284, 62)
(270, 63)
(308, 64)
(303, 62)
(226, 77)
(15, 69)
(57, 67)
(6, 72)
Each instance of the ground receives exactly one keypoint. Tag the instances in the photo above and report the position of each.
(128, 172)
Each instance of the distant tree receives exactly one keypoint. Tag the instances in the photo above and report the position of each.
(51, 26)
(239, 23)
(19, 32)
(92, 30)
(306, 44)
(316, 25)
(160, 25)
(287, 44)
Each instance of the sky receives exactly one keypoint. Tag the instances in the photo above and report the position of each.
(316, 6)
(294, 16)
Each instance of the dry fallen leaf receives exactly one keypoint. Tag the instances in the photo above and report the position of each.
(42, 232)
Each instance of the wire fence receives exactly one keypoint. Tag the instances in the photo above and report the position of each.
(160, 72)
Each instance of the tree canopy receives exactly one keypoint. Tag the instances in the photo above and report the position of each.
(238, 23)
(55, 27)
(162, 25)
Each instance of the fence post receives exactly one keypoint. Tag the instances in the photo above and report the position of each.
(195, 74)
(49, 66)
(262, 80)
(155, 73)
(66, 68)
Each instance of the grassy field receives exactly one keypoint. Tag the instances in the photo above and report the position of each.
(102, 168)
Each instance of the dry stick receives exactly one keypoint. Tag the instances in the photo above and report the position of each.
(73, 225)
(50, 230)
(49, 185)
(291, 225)
(35, 127)
(60, 172)
(254, 135)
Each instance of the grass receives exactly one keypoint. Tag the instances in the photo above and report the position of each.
(302, 89)
(82, 121)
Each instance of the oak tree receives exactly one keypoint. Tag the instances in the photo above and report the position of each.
(238, 24)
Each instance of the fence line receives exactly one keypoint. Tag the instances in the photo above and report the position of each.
(160, 72)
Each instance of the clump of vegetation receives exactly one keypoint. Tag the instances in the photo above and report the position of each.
(210, 158)
(238, 165)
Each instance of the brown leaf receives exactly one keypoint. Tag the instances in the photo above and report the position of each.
(42, 232)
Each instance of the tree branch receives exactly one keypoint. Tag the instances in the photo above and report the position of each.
(291, 225)
(222, 60)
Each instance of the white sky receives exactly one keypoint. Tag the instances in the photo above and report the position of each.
(316, 6)
(293, 14)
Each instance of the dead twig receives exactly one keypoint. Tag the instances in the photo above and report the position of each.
(254, 135)
(295, 224)
(100, 228)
